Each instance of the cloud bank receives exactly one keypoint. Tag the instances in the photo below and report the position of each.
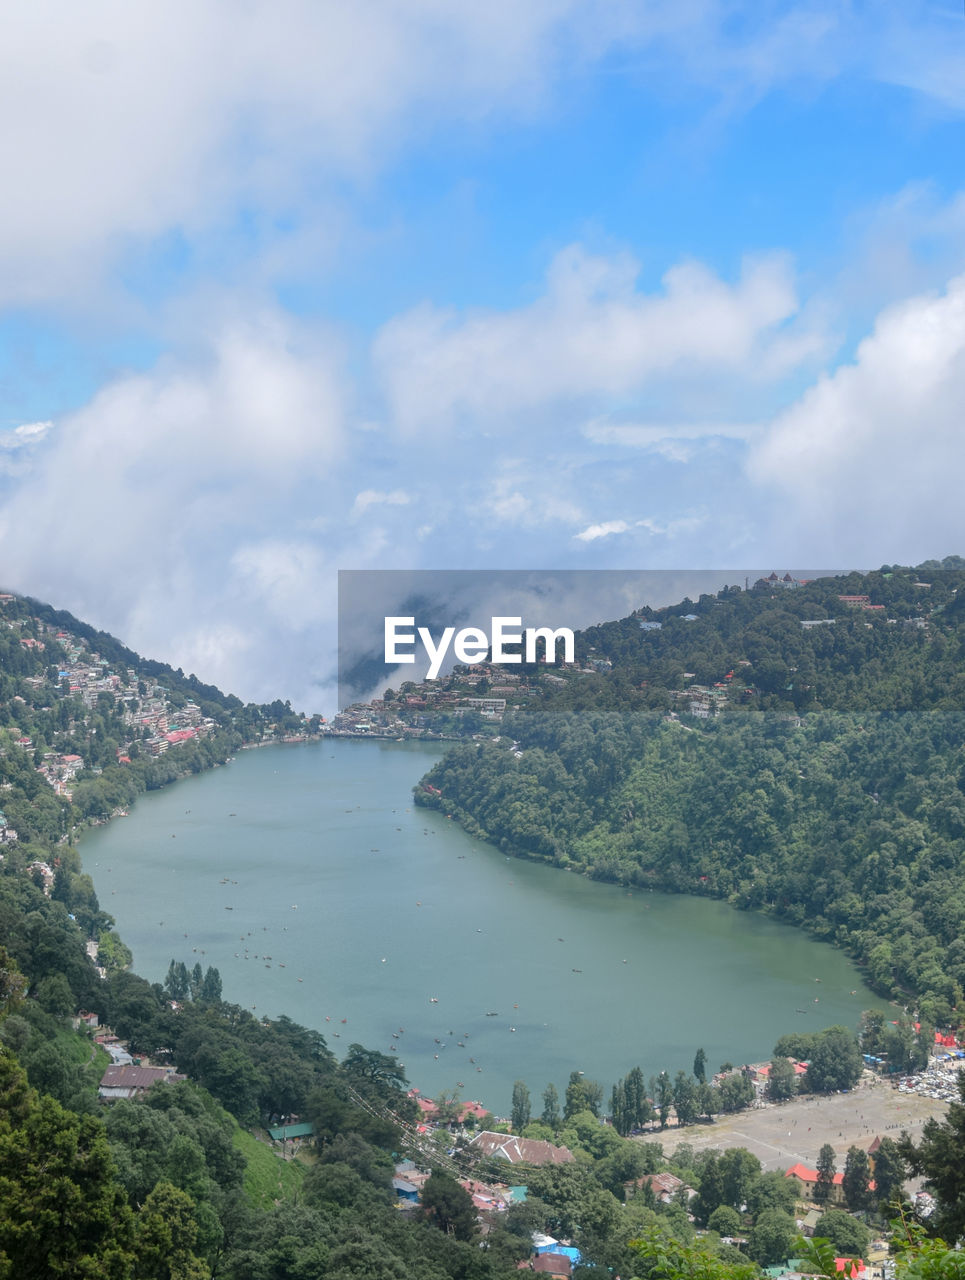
(226, 196)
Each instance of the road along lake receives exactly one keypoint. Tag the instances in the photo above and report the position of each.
(306, 875)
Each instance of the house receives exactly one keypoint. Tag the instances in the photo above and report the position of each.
(547, 1247)
(485, 1198)
(407, 1183)
(128, 1081)
(44, 872)
(406, 1192)
(426, 1106)
(807, 1179)
(663, 1185)
(294, 1133)
(851, 1267)
(474, 1109)
(557, 1265)
(808, 1223)
(520, 1150)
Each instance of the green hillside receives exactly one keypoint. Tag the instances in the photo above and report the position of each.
(814, 772)
(833, 816)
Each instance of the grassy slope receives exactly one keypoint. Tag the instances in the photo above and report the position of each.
(268, 1178)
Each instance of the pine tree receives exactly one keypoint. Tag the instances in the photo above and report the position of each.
(700, 1067)
(857, 1176)
(520, 1114)
(551, 1107)
(826, 1172)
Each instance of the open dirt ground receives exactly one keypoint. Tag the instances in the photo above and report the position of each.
(784, 1133)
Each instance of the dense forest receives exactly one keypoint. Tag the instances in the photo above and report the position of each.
(829, 788)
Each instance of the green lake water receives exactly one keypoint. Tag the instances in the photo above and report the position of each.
(306, 875)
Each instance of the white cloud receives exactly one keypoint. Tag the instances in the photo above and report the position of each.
(522, 492)
(134, 121)
(605, 530)
(591, 335)
(656, 528)
(16, 446)
(376, 498)
(149, 507)
(868, 463)
(28, 433)
(284, 577)
(138, 121)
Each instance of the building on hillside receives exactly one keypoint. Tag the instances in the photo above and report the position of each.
(520, 1150)
(663, 1185)
(557, 1252)
(493, 708)
(407, 1183)
(807, 1179)
(472, 1109)
(486, 1198)
(556, 1265)
(809, 1222)
(406, 1192)
(853, 1268)
(296, 1134)
(128, 1081)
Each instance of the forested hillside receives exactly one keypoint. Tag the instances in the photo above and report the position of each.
(814, 772)
(175, 1184)
(168, 1184)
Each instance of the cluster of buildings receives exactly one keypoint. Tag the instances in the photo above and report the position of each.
(44, 873)
(413, 709)
(550, 1257)
(126, 1077)
(760, 1074)
(148, 716)
(417, 708)
(60, 770)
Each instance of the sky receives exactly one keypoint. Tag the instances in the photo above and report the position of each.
(309, 285)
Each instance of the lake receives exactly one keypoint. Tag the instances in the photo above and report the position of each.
(306, 875)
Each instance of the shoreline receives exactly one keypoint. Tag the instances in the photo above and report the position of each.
(349, 766)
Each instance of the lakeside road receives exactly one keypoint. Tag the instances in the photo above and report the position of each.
(782, 1134)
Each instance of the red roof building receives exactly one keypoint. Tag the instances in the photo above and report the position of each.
(809, 1176)
(807, 1180)
(853, 1267)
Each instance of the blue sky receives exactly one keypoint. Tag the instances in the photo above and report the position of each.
(305, 286)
